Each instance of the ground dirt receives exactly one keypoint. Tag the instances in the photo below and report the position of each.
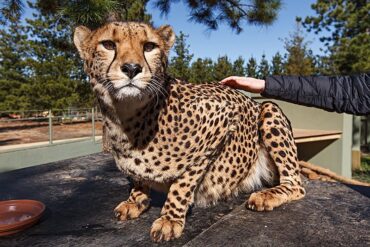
(12, 133)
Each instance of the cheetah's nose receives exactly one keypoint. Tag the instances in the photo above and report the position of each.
(131, 69)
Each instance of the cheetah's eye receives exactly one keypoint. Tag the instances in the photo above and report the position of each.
(108, 44)
(149, 46)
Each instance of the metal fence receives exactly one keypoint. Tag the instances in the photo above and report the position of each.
(20, 127)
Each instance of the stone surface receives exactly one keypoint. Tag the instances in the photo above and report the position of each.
(80, 195)
(330, 215)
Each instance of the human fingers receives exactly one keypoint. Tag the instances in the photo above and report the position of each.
(228, 79)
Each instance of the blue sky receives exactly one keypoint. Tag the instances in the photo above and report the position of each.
(253, 41)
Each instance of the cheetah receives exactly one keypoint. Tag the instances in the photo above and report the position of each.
(199, 143)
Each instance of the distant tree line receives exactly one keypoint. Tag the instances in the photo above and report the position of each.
(40, 68)
(297, 60)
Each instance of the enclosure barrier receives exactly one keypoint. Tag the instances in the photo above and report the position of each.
(323, 138)
(36, 137)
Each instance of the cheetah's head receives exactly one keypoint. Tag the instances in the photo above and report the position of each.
(125, 60)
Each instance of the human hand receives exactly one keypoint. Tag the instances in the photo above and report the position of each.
(249, 84)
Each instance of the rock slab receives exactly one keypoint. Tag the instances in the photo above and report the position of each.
(81, 193)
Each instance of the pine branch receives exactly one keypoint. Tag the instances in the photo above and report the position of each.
(11, 11)
(231, 12)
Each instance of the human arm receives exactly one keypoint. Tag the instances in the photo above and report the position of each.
(350, 94)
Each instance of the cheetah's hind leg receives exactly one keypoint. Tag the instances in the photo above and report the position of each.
(276, 135)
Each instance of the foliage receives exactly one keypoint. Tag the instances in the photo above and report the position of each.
(299, 59)
(277, 65)
(202, 71)
(364, 173)
(180, 63)
(57, 79)
(263, 68)
(344, 25)
(234, 13)
(93, 13)
(40, 69)
(222, 68)
(11, 11)
(252, 67)
(12, 67)
(238, 67)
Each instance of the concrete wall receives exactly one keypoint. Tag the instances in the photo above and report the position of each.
(37, 155)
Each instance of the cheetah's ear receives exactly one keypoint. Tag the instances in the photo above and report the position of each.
(167, 35)
(79, 37)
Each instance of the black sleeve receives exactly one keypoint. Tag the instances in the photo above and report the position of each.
(350, 94)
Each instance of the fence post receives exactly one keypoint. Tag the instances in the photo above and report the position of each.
(93, 123)
(50, 128)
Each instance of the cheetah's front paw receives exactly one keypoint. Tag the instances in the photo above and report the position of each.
(128, 210)
(163, 229)
(265, 200)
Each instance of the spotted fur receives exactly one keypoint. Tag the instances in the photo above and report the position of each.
(199, 143)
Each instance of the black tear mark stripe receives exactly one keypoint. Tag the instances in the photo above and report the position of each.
(150, 70)
(114, 58)
(146, 61)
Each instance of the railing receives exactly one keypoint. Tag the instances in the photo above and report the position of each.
(19, 128)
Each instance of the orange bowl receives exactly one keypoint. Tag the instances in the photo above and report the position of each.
(17, 215)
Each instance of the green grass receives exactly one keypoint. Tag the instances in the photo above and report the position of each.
(364, 173)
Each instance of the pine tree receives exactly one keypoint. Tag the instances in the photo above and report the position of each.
(11, 11)
(238, 67)
(57, 79)
(13, 69)
(235, 13)
(299, 59)
(252, 68)
(92, 13)
(179, 66)
(344, 25)
(277, 66)
(201, 71)
(222, 68)
(263, 68)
